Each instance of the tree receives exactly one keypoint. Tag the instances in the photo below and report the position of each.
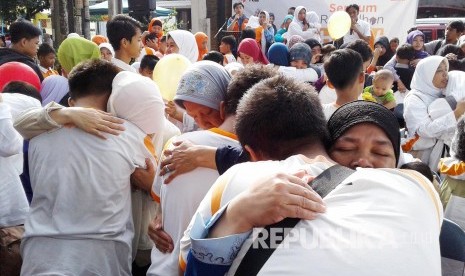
(10, 10)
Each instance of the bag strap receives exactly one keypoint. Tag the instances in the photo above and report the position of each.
(256, 257)
(438, 45)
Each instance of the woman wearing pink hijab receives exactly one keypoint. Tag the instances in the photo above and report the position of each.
(250, 53)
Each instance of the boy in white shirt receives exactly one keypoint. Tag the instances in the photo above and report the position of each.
(80, 217)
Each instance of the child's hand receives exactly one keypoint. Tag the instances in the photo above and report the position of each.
(401, 87)
(414, 62)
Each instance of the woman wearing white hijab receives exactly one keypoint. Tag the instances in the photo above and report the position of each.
(264, 32)
(313, 21)
(182, 42)
(53, 89)
(138, 100)
(300, 26)
(428, 83)
(453, 93)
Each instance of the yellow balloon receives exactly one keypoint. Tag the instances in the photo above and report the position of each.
(339, 24)
(168, 72)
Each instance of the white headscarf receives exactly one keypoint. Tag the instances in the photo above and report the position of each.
(108, 46)
(312, 17)
(263, 39)
(422, 81)
(456, 85)
(53, 89)
(138, 100)
(186, 43)
(296, 16)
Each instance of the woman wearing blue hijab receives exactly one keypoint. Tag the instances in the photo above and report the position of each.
(278, 54)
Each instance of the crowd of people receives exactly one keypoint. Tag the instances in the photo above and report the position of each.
(102, 174)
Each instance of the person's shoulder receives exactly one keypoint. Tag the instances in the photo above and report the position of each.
(434, 42)
(393, 179)
(192, 135)
(363, 22)
(130, 131)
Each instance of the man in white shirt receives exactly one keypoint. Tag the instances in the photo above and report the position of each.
(124, 34)
(80, 217)
(371, 224)
(359, 29)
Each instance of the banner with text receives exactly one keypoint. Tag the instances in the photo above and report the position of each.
(391, 18)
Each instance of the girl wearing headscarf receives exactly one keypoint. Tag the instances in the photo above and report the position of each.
(156, 27)
(106, 51)
(428, 83)
(315, 45)
(300, 57)
(278, 54)
(281, 36)
(182, 42)
(137, 99)
(264, 33)
(383, 52)
(202, 40)
(313, 21)
(294, 40)
(415, 38)
(53, 89)
(73, 50)
(249, 52)
(300, 26)
(453, 94)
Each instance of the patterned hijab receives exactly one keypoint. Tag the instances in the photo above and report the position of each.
(205, 83)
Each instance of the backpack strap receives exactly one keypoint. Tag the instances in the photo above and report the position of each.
(438, 45)
(256, 257)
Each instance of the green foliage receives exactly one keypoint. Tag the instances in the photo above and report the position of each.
(169, 23)
(10, 10)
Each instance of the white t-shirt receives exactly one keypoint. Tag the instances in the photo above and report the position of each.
(378, 222)
(13, 202)
(327, 95)
(229, 58)
(182, 196)
(82, 191)
(304, 75)
(255, 171)
(328, 110)
(122, 65)
(363, 27)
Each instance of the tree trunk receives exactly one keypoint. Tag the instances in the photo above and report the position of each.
(86, 19)
(59, 21)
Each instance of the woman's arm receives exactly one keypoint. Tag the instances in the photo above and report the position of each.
(10, 141)
(36, 121)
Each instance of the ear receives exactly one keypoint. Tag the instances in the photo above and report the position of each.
(330, 85)
(254, 155)
(361, 77)
(71, 102)
(123, 42)
(222, 112)
(23, 42)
